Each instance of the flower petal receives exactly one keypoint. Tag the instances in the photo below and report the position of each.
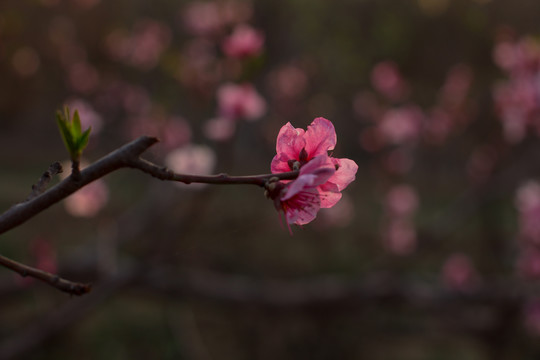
(329, 194)
(320, 137)
(301, 183)
(290, 141)
(302, 208)
(280, 164)
(345, 174)
(321, 166)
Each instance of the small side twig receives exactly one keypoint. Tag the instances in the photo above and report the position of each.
(45, 179)
(70, 287)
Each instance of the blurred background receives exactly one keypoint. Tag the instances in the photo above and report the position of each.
(432, 253)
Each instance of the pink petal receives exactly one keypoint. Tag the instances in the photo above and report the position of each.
(321, 166)
(329, 194)
(290, 141)
(301, 183)
(320, 137)
(280, 164)
(302, 208)
(345, 174)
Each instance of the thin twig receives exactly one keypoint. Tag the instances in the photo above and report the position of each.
(164, 173)
(70, 287)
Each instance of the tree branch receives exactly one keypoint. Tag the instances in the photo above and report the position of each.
(70, 287)
(128, 156)
(117, 159)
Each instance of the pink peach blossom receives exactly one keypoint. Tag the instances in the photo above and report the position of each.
(300, 199)
(240, 102)
(243, 42)
(296, 148)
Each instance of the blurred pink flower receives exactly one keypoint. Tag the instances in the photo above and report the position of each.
(88, 201)
(401, 125)
(528, 204)
(240, 102)
(296, 148)
(135, 99)
(531, 316)
(44, 254)
(481, 163)
(143, 47)
(387, 80)
(398, 161)
(528, 262)
(83, 77)
(89, 116)
(398, 232)
(456, 86)
(438, 125)
(236, 12)
(243, 42)
(207, 18)
(173, 132)
(193, 160)
(219, 129)
(401, 200)
(199, 67)
(26, 61)
(459, 272)
(202, 17)
(43, 258)
(516, 99)
(288, 82)
(400, 236)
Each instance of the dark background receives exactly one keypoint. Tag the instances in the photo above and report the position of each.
(210, 273)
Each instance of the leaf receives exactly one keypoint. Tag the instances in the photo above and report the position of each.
(70, 129)
(76, 129)
(65, 131)
(83, 140)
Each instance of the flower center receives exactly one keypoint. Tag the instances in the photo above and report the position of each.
(302, 160)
